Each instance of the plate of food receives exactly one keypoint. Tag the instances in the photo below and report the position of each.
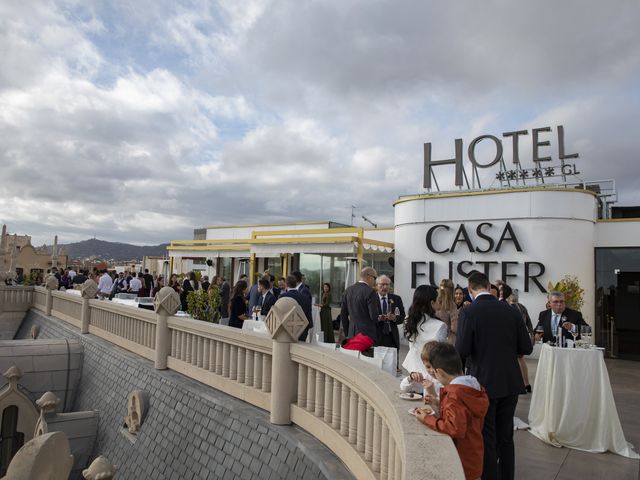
(411, 396)
(426, 409)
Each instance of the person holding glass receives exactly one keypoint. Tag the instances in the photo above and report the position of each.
(559, 316)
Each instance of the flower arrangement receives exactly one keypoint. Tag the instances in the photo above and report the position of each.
(570, 287)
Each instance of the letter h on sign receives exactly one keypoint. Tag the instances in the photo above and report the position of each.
(457, 161)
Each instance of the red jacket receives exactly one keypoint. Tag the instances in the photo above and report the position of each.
(462, 411)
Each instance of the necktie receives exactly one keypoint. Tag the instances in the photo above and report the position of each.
(384, 305)
(261, 300)
(554, 326)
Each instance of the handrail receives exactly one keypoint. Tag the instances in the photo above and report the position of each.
(349, 405)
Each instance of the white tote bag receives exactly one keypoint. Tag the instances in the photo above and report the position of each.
(389, 357)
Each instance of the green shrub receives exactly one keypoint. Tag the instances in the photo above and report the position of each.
(205, 306)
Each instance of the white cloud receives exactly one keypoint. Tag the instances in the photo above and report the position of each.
(141, 120)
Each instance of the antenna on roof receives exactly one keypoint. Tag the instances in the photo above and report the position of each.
(375, 225)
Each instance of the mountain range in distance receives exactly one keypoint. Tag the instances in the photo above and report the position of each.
(115, 251)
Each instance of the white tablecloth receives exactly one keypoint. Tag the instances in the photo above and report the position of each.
(572, 403)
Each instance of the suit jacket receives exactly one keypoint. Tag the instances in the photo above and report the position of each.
(305, 304)
(493, 335)
(267, 303)
(360, 311)
(573, 316)
(305, 292)
(394, 302)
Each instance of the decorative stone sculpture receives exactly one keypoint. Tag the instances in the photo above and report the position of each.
(100, 469)
(51, 282)
(89, 289)
(44, 458)
(35, 331)
(47, 404)
(167, 301)
(11, 396)
(135, 411)
(286, 316)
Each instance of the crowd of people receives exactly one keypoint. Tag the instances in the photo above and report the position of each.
(466, 356)
(466, 344)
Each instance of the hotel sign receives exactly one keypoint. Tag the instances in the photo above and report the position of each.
(541, 169)
(444, 240)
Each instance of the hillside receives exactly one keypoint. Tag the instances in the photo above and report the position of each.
(101, 249)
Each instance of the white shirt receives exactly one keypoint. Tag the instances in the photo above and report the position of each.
(135, 284)
(105, 284)
(72, 273)
(430, 329)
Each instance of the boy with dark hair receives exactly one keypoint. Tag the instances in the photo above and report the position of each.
(463, 405)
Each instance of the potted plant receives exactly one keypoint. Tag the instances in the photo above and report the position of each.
(570, 287)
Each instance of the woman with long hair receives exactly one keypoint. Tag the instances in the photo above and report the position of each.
(458, 297)
(189, 284)
(238, 304)
(326, 322)
(422, 326)
(446, 309)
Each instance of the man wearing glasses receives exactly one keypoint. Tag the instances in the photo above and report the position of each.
(359, 313)
(558, 316)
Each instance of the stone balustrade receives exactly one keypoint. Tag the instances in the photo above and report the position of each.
(349, 405)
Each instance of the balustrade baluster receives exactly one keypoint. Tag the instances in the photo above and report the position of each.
(257, 370)
(337, 408)
(328, 398)
(368, 442)
(377, 447)
(392, 459)
(384, 454)
(319, 394)
(200, 352)
(362, 424)
(219, 356)
(353, 417)
(212, 355)
(311, 389)
(184, 347)
(225, 359)
(241, 364)
(194, 349)
(266, 373)
(174, 338)
(205, 353)
(397, 464)
(233, 362)
(302, 386)
(344, 414)
(178, 345)
(188, 347)
(249, 368)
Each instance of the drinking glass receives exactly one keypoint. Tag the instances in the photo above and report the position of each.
(585, 332)
(574, 334)
(540, 331)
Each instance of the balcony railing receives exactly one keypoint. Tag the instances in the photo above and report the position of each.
(350, 406)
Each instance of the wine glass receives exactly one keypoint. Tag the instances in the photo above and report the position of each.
(574, 333)
(540, 331)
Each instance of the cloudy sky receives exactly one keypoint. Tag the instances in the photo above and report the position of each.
(138, 120)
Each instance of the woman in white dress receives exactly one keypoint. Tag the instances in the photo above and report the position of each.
(422, 326)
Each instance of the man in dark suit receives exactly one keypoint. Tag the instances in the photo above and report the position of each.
(267, 298)
(558, 315)
(359, 313)
(303, 301)
(388, 321)
(300, 285)
(492, 335)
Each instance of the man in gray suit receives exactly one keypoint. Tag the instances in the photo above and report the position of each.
(359, 312)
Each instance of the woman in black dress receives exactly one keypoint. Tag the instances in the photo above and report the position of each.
(238, 304)
(326, 322)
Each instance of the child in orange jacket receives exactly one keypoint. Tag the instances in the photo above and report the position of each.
(463, 405)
